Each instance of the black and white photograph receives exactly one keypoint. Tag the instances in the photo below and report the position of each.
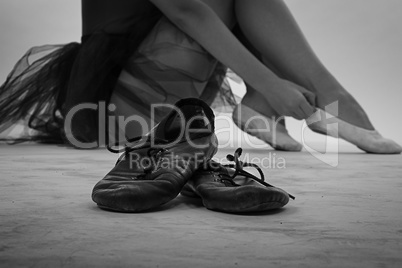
(200, 133)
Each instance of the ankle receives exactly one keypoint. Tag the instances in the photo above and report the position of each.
(258, 103)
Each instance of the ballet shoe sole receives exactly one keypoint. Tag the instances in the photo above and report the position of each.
(263, 207)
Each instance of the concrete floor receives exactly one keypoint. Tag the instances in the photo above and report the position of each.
(348, 216)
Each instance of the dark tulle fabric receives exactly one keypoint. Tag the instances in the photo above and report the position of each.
(50, 80)
(31, 97)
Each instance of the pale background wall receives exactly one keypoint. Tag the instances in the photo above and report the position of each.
(359, 40)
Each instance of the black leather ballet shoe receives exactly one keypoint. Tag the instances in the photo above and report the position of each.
(154, 169)
(229, 188)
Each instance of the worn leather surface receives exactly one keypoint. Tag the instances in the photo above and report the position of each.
(221, 195)
(151, 176)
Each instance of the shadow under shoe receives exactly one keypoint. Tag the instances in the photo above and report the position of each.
(228, 188)
(154, 169)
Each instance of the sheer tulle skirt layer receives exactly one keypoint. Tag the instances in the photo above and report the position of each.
(141, 69)
(32, 94)
(167, 67)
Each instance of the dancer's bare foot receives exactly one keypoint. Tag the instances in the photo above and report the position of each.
(264, 123)
(352, 123)
(370, 141)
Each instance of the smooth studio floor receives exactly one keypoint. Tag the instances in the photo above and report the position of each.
(344, 216)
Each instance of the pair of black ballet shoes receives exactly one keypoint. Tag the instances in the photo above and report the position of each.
(175, 157)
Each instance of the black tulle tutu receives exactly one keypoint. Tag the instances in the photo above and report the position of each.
(157, 58)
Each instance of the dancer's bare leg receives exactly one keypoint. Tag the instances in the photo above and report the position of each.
(255, 111)
(273, 31)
